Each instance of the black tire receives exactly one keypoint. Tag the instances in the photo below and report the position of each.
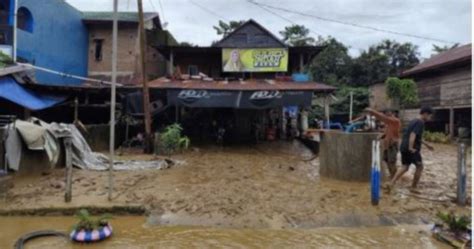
(19, 244)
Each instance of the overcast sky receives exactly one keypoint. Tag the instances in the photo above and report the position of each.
(442, 19)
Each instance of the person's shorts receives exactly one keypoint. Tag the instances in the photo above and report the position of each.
(409, 158)
(390, 154)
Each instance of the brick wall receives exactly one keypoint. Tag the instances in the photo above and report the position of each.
(128, 54)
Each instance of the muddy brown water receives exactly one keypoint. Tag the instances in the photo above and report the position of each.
(267, 196)
(135, 232)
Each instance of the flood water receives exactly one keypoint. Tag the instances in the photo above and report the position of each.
(269, 196)
(133, 232)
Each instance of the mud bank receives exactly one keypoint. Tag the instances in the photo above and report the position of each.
(269, 186)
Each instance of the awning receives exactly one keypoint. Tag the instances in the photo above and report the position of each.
(238, 99)
(14, 92)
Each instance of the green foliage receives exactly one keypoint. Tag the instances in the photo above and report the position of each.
(5, 60)
(435, 137)
(171, 140)
(403, 91)
(439, 49)
(360, 100)
(297, 35)
(332, 65)
(336, 67)
(456, 224)
(342, 104)
(88, 223)
(388, 58)
(224, 28)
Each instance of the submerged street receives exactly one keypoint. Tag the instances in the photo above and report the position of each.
(230, 193)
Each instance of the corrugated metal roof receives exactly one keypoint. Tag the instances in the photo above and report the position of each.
(245, 85)
(122, 16)
(455, 55)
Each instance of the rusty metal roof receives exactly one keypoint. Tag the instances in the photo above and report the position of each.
(244, 85)
(456, 55)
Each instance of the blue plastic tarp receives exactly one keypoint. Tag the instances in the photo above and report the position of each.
(16, 93)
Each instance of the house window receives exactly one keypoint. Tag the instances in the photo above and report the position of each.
(4, 15)
(25, 20)
(193, 70)
(98, 49)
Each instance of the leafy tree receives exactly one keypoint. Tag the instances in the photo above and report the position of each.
(297, 35)
(439, 49)
(402, 91)
(342, 103)
(332, 65)
(224, 28)
(369, 68)
(360, 99)
(388, 58)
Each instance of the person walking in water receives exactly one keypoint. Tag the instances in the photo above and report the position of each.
(411, 146)
(390, 136)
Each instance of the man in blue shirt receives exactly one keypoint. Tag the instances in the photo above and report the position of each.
(411, 146)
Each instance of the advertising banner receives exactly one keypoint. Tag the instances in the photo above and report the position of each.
(238, 99)
(255, 60)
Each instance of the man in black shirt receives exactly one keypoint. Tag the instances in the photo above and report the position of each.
(411, 146)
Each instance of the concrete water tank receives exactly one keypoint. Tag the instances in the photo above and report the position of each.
(347, 156)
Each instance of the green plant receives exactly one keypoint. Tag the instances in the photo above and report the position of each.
(403, 91)
(5, 59)
(456, 224)
(171, 140)
(88, 223)
(435, 137)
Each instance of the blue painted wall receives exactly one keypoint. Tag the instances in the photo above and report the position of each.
(59, 40)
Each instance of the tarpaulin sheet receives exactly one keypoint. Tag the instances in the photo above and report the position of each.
(261, 99)
(14, 92)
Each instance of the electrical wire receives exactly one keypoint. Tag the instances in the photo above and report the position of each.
(162, 11)
(287, 19)
(349, 23)
(208, 10)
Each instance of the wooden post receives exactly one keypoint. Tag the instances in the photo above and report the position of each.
(301, 63)
(461, 178)
(451, 123)
(146, 94)
(176, 113)
(171, 63)
(67, 146)
(76, 110)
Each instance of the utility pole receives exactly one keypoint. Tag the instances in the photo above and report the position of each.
(15, 26)
(112, 98)
(146, 94)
